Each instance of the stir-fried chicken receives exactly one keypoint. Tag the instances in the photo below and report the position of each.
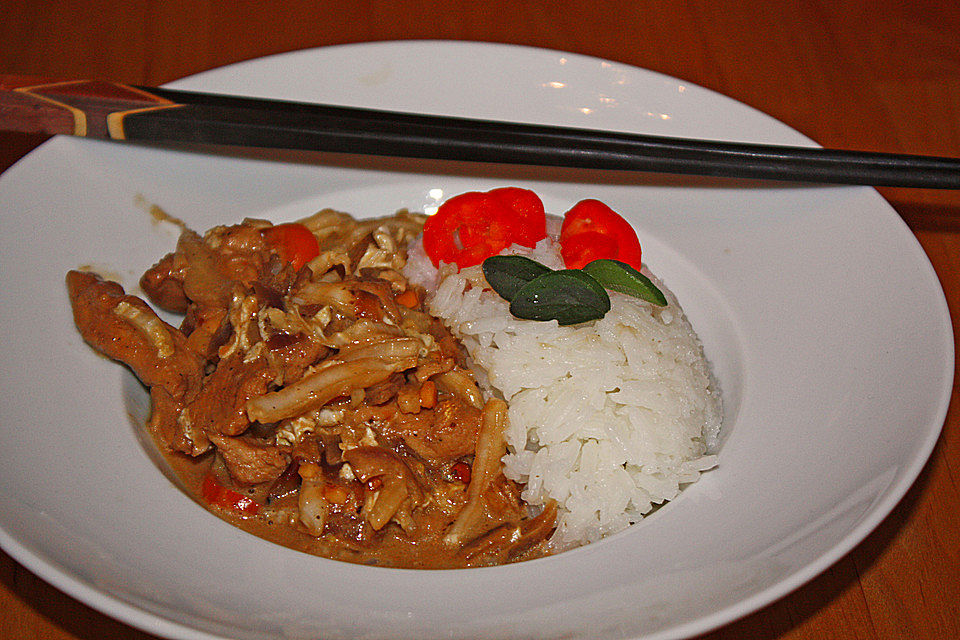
(325, 414)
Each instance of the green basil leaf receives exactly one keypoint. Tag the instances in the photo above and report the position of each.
(619, 276)
(569, 296)
(508, 274)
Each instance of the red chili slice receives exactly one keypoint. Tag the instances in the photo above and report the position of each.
(590, 229)
(471, 227)
(293, 242)
(582, 248)
(216, 494)
(531, 219)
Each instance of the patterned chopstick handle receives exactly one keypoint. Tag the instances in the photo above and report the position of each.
(91, 108)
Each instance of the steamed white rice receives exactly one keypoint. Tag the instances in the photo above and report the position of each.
(609, 418)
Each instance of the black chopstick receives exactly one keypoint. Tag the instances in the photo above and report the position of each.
(173, 116)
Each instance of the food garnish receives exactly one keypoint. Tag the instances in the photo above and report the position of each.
(620, 276)
(591, 230)
(569, 296)
(508, 274)
(473, 226)
(598, 246)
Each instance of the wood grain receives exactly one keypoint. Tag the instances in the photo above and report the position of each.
(872, 75)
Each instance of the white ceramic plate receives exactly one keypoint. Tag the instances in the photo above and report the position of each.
(823, 318)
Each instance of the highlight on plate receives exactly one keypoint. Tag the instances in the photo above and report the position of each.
(486, 385)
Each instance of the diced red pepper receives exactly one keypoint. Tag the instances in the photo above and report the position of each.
(469, 228)
(220, 496)
(461, 471)
(592, 230)
(293, 242)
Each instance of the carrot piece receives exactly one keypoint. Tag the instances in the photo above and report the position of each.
(408, 298)
(428, 394)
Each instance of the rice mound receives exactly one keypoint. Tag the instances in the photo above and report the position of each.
(609, 418)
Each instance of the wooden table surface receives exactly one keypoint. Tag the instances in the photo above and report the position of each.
(871, 74)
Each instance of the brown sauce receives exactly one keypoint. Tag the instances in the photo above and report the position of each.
(391, 548)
